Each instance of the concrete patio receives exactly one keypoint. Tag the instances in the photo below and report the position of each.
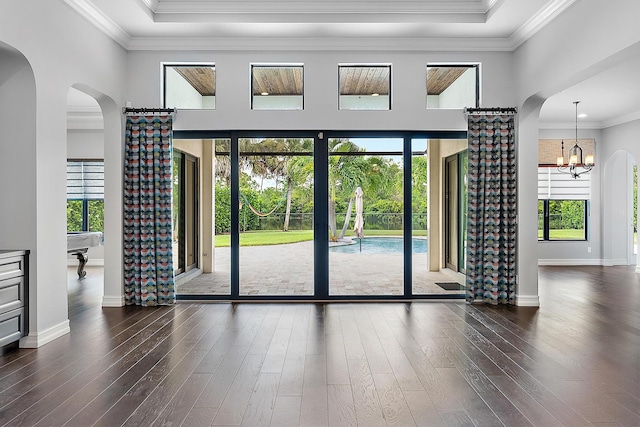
(288, 270)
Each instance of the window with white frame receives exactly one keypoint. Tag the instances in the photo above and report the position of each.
(277, 87)
(189, 86)
(453, 86)
(364, 87)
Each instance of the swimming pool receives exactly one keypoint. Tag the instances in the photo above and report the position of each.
(381, 245)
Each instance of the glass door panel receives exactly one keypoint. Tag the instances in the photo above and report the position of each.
(422, 280)
(371, 263)
(276, 216)
(210, 197)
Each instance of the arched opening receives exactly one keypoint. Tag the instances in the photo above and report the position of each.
(85, 196)
(112, 151)
(18, 165)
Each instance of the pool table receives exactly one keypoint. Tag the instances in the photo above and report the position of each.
(79, 243)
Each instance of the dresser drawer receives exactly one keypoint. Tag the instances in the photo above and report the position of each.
(11, 267)
(11, 294)
(11, 326)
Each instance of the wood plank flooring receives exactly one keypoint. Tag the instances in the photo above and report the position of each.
(575, 361)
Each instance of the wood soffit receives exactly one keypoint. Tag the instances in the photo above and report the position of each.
(289, 80)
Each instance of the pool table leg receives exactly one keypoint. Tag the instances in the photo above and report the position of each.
(82, 261)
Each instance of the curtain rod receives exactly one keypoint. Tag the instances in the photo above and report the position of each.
(129, 110)
(496, 110)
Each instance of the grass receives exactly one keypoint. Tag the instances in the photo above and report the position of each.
(567, 234)
(277, 237)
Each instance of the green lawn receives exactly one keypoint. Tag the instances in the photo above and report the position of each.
(564, 234)
(275, 237)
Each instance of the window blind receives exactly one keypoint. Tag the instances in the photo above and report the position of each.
(555, 185)
(85, 179)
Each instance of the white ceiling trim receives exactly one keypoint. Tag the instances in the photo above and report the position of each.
(454, 44)
(537, 22)
(176, 8)
(346, 17)
(89, 11)
(622, 119)
(105, 24)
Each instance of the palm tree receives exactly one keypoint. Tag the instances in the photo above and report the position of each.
(299, 169)
(346, 172)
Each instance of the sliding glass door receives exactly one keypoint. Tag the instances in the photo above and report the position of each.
(276, 204)
(323, 215)
(366, 210)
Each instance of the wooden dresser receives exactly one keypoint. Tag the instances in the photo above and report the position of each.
(14, 286)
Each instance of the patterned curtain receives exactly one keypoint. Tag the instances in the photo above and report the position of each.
(148, 255)
(491, 220)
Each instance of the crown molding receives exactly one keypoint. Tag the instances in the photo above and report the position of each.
(538, 21)
(84, 118)
(630, 117)
(174, 11)
(105, 24)
(319, 44)
(571, 125)
(175, 8)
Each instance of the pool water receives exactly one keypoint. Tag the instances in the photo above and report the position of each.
(381, 245)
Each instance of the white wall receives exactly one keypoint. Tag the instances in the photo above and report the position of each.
(233, 92)
(59, 58)
(581, 42)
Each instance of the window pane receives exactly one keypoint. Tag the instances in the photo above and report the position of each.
(96, 215)
(540, 219)
(567, 220)
(190, 87)
(372, 264)
(74, 215)
(277, 87)
(452, 86)
(276, 216)
(364, 87)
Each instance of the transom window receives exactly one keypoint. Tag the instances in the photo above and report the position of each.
(364, 87)
(277, 87)
(189, 86)
(453, 86)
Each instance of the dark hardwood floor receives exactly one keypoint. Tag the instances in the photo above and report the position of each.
(575, 361)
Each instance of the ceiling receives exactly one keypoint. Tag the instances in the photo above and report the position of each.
(406, 25)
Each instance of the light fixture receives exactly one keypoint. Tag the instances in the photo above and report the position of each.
(264, 93)
(375, 94)
(576, 165)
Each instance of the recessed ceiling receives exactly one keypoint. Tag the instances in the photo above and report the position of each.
(478, 24)
(394, 25)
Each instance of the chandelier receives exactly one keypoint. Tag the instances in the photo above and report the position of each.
(576, 165)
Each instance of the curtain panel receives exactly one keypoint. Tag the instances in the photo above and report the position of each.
(491, 220)
(148, 254)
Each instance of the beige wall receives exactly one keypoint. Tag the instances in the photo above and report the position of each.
(438, 151)
(202, 150)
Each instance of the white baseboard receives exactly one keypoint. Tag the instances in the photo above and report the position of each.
(38, 339)
(113, 300)
(612, 262)
(73, 262)
(572, 261)
(528, 301)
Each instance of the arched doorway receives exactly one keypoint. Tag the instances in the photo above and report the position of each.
(18, 167)
(85, 194)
